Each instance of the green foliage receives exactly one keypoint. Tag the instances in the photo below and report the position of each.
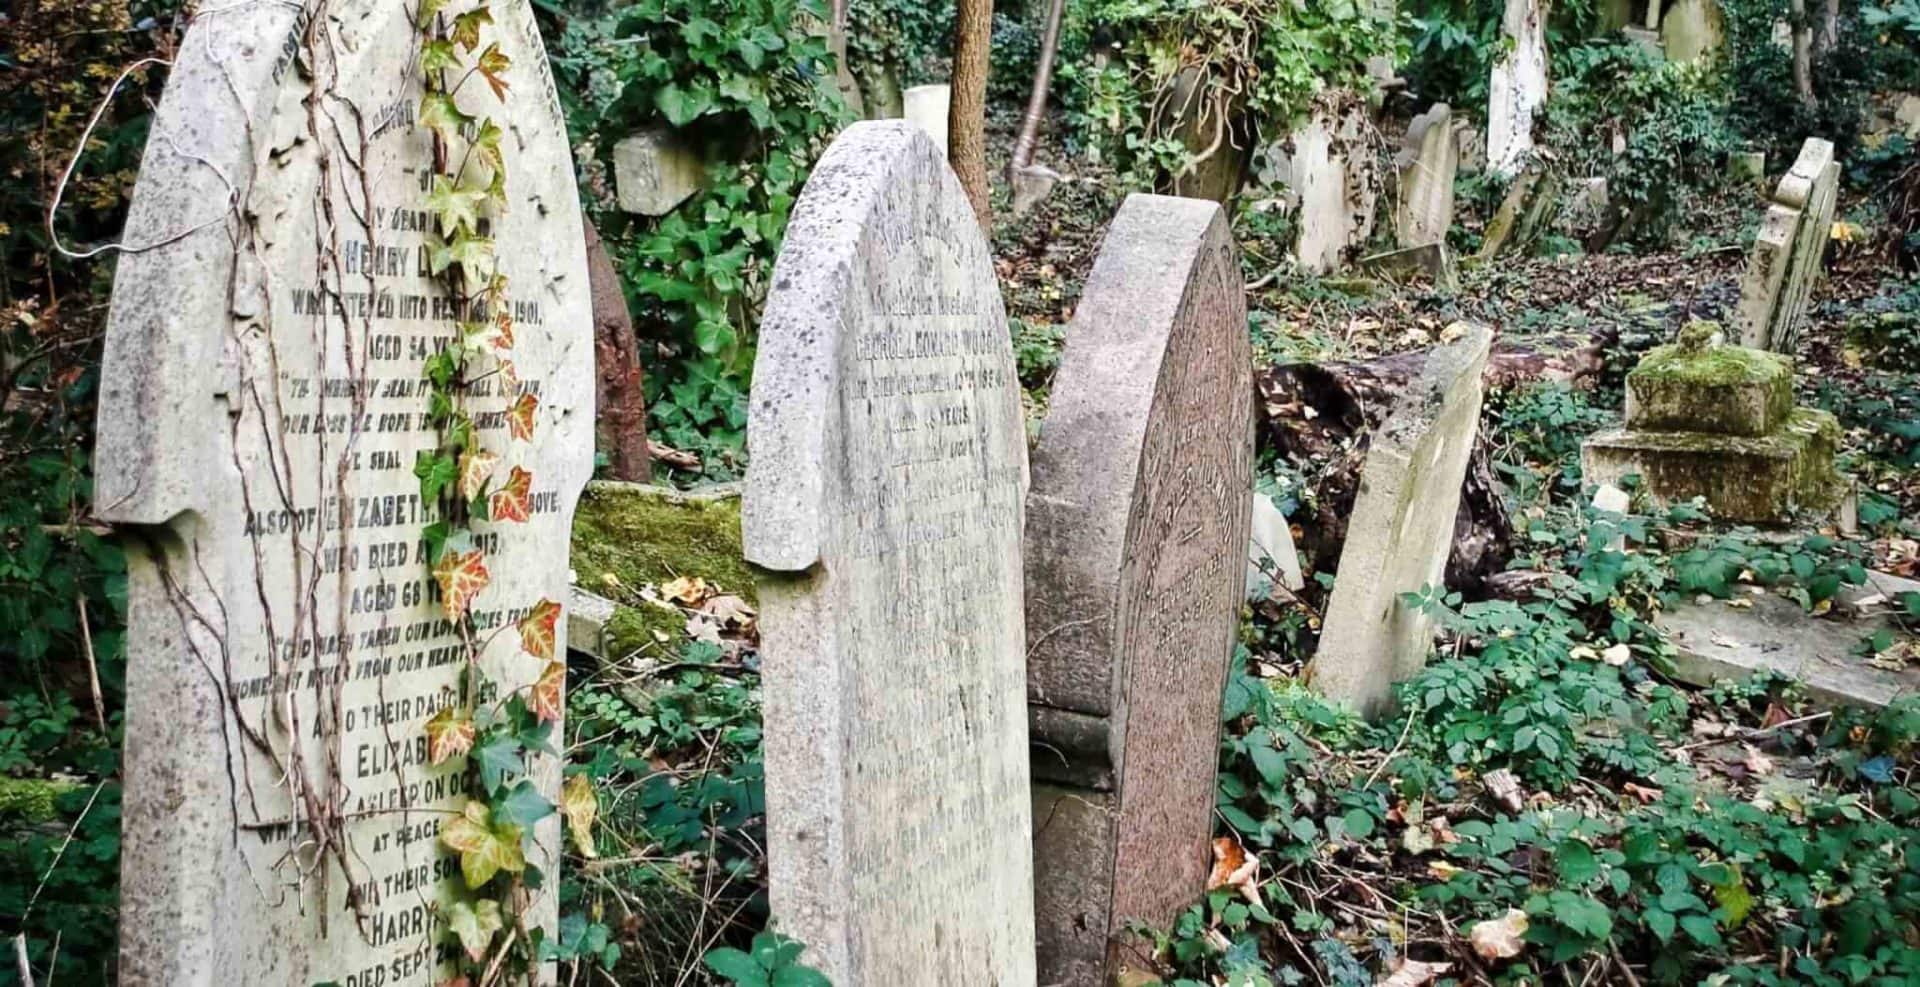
(747, 84)
(774, 961)
(1881, 411)
(1264, 60)
(1543, 424)
(1873, 52)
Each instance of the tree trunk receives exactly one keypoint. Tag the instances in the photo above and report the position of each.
(1037, 99)
(1802, 53)
(967, 113)
(620, 413)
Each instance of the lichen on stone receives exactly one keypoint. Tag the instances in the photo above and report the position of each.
(1712, 366)
(627, 536)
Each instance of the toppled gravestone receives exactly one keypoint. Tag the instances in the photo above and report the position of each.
(1706, 419)
(1402, 529)
(1786, 253)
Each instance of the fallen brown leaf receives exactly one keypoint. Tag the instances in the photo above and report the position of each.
(1500, 939)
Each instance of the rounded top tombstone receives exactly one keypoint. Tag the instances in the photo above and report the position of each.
(264, 414)
(889, 467)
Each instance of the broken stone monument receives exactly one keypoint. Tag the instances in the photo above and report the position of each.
(1517, 90)
(884, 509)
(1705, 419)
(1528, 209)
(656, 170)
(1402, 529)
(1428, 160)
(1785, 261)
(1334, 173)
(261, 414)
(926, 108)
(1136, 543)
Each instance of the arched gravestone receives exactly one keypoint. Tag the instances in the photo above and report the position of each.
(261, 410)
(1136, 566)
(889, 466)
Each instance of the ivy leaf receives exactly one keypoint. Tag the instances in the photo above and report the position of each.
(428, 8)
(455, 206)
(546, 698)
(449, 735)
(476, 468)
(439, 113)
(437, 54)
(682, 106)
(461, 575)
(486, 148)
(520, 417)
(514, 501)
(435, 536)
(493, 66)
(501, 341)
(474, 254)
(435, 471)
(466, 27)
(580, 805)
(475, 925)
(537, 628)
(498, 756)
(522, 807)
(485, 848)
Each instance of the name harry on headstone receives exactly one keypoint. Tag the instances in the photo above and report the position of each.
(885, 503)
(262, 408)
(1136, 546)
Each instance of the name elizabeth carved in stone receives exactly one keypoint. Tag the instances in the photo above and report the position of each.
(262, 408)
(885, 500)
(1136, 546)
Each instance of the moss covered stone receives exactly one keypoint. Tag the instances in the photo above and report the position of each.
(1754, 479)
(1692, 386)
(629, 535)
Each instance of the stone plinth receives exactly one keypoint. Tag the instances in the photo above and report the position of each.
(1726, 390)
(1743, 478)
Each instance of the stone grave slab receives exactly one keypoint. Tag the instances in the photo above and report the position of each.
(927, 107)
(262, 407)
(1137, 533)
(1402, 529)
(1428, 162)
(655, 170)
(1715, 642)
(885, 508)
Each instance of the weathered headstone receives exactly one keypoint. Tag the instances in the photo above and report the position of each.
(1692, 30)
(1334, 172)
(885, 503)
(1428, 161)
(926, 108)
(1517, 90)
(1136, 543)
(262, 408)
(656, 170)
(1402, 529)
(1786, 253)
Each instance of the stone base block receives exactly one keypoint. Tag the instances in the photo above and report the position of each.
(1764, 479)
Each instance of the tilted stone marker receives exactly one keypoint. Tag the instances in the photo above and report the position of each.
(1136, 560)
(1333, 171)
(656, 170)
(1709, 420)
(1402, 529)
(1786, 253)
(1517, 91)
(1428, 161)
(261, 409)
(885, 504)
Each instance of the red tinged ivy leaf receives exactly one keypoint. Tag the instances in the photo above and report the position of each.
(476, 467)
(493, 67)
(502, 339)
(537, 627)
(466, 27)
(547, 694)
(449, 735)
(514, 501)
(520, 417)
(461, 575)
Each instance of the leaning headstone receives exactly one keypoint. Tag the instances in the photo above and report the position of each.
(1428, 161)
(655, 170)
(1529, 207)
(885, 507)
(926, 108)
(1786, 253)
(1136, 539)
(1402, 529)
(262, 411)
(1517, 91)
(1693, 29)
